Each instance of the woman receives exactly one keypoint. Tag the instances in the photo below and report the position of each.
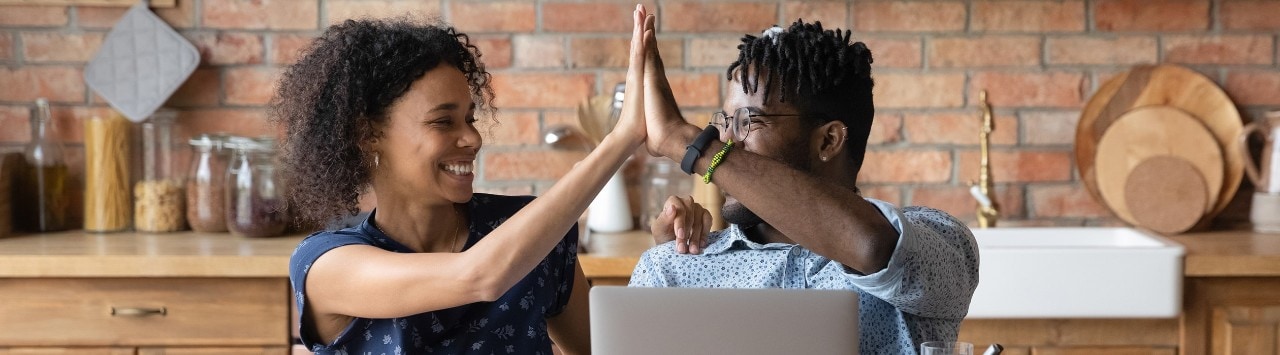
(390, 105)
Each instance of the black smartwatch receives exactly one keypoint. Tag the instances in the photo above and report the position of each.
(694, 150)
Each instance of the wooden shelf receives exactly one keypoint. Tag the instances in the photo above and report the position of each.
(119, 3)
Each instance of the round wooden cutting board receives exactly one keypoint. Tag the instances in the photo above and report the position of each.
(1166, 194)
(1150, 132)
(1162, 85)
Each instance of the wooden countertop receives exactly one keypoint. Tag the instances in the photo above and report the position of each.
(190, 254)
(1230, 253)
(131, 254)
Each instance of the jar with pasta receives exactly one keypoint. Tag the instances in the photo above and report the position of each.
(159, 200)
(256, 202)
(107, 204)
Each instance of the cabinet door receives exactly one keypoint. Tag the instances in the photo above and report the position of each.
(1239, 315)
(60, 351)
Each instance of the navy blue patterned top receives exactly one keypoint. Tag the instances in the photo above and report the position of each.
(514, 324)
(922, 295)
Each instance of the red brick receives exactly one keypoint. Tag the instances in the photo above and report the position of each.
(529, 165)
(541, 90)
(1028, 16)
(514, 128)
(988, 51)
(243, 122)
(16, 122)
(565, 117)
(886, 129)
(1049, 127)
(1018, 165)
(909, 16)
(899, 90)
(250, 85)
(33, 15)
(887, 193)
(902, 166)
(260, 14)
(1224, 49)
(957, 128)
(58, 84)
(1250, 15)
(504, 16)
(534, 51)
(1254, 87)
(893, 52)
(287, 48)
(1064, 201)
(1052, 89)
(695, 89)
(743, 17)
(713, 52)
(201, 89)
(60, 47)
(588, 17)
(1128, 50)
(6, 47)
(495, 51)
(832, 14)
(600, 52)
(959, 202)
(228, 48)
(1145, 15)
(341, 10)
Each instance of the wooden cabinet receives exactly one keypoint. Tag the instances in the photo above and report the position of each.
(145, 294)
(241, 315)
(1232, 316)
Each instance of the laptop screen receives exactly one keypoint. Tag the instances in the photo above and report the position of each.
(642, 320)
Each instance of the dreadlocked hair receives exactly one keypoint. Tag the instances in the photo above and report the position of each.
(824, 76)
(337, 97)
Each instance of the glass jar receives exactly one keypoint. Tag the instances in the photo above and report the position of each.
(662, 179)
(158, 198)
(256, 204)
(206, 185)
(43, 183)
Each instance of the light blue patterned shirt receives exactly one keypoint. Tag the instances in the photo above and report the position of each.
(922, 295)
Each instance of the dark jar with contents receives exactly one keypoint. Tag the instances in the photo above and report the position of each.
(206, 185)
(256, 202)
(43, 190)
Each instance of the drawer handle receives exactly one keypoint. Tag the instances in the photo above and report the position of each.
(138, 311)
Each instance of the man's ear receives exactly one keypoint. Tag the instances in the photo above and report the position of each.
(831, 138)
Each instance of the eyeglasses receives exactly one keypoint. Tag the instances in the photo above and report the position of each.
(741, 123)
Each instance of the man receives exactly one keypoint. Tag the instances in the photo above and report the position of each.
(791, 140)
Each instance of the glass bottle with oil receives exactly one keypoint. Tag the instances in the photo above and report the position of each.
(44, 186)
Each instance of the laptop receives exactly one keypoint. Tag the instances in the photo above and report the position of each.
(645, 320)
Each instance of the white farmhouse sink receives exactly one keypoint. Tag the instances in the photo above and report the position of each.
(1076, 273)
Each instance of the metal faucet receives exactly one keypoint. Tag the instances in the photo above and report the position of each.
(984, 189)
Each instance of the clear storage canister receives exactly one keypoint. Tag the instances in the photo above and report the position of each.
(158, 198)
(206, 184)
(256, 201)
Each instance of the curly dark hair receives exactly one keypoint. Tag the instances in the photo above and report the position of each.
(337, 95)
(819, 71)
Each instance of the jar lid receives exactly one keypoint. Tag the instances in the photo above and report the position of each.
(205, 140)
(238, 142)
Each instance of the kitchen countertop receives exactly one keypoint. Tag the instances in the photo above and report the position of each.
(191, 254)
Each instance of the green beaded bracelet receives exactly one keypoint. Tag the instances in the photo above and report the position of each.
(715, 161)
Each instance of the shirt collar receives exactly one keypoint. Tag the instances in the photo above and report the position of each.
(732, 238)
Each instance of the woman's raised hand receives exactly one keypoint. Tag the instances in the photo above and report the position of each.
(631, 120)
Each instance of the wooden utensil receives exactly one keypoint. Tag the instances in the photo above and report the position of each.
(1168, 85)
(1148, 132)
(1166, 194)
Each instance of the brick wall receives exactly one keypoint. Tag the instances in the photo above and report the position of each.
(1040, 60)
